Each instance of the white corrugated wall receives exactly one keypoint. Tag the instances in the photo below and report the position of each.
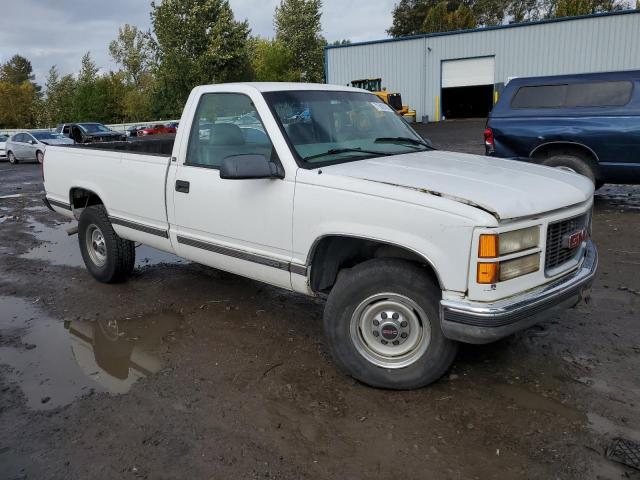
(413, 66)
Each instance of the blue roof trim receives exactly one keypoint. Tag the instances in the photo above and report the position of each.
(486, 29)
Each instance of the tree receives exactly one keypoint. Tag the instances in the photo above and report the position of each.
(408, 17)
(131, 50)
(196, 42)
(568, 8)
(298, 27)
(440, 19)
(272, 61)
(18, 104)
(18, 70)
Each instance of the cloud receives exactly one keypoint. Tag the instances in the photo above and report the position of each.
(60, 32)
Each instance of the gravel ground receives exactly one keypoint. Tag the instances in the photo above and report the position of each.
(189, 372)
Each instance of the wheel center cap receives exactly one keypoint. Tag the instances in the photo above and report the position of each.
(389, 331)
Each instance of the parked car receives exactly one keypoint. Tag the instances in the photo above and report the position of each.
(173, 125)
(3, 139)
(588, 124)
(90, 132)
(133, 131)
(415, 249)
(158, 129)
(30, 146)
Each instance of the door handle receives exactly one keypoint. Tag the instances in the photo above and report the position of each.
(182, 186)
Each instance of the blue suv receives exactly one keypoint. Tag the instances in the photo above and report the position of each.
(587, 123)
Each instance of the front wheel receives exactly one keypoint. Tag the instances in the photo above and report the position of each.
(12, 158)
(39, 156)
(109, 258)
(383, 327)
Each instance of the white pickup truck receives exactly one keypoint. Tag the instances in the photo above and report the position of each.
(326, 191)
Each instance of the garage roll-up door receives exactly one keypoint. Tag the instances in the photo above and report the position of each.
(468, 72)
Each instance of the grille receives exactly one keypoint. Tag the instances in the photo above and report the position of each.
(556, 252)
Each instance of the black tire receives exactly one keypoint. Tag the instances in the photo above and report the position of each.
(575, 163)
(12, 158)
(119, 254)
(39, 152)
(357, 285)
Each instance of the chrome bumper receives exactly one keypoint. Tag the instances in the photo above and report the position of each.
(478, 322)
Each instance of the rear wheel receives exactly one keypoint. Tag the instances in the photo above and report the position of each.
(109, 258)
(383, 327)
(573, 163)
(12, 158)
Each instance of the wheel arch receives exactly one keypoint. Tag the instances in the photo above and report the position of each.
(565, 146)
(81, 198)
(331, 253)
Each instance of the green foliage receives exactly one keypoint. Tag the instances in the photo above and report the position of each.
(18, 70)
(131, 50)
(193, 42)
(412, 17)
(272, 61)
(196, 42)
(18, 104)
(298, 26)
(441, 19)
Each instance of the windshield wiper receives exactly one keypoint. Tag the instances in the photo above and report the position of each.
(335, 151)
(413, 141)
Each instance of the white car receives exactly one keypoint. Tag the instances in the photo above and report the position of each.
(3, 139)
(415, 249)
(30, 146)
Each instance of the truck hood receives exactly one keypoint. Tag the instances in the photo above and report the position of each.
(505, 188)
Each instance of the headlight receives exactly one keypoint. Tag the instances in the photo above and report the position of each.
(495, 246)
(519, 240)
(519, 266)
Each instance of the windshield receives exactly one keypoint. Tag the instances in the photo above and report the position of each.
(3, 138)
(327, 127)
(93, 127)
(47, 135)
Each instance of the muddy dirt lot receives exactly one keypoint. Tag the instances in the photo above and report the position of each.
(188, 372)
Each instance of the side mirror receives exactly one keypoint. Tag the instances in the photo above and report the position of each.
(33, 142)
(249, 166)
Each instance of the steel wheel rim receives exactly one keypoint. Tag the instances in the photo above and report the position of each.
(12, 158)
(96, 245)
(39, 157)
(398, 321)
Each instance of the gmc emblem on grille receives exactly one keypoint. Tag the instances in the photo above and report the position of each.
(573, 240)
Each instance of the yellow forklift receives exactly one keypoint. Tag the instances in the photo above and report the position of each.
(394, 100)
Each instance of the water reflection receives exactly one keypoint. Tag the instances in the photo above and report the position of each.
(55, 362)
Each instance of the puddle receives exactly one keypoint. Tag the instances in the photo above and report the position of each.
(58, 362)
(619, 197)
(61, 249)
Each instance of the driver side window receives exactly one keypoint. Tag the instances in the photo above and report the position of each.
(226, 124)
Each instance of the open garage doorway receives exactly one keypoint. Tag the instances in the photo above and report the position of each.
(467, 102)
(467, 87)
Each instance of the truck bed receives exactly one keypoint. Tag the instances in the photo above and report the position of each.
(161, 145)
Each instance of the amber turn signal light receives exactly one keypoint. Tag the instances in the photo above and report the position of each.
(488, 272)
(488, 246)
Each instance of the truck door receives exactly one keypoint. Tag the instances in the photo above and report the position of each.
(241, 226)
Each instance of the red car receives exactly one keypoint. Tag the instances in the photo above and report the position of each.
(156, 130)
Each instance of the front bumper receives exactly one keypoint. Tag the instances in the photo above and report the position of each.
(478, 322)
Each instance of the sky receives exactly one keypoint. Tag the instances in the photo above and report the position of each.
(59, 32)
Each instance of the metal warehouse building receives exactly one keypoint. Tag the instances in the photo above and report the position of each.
(460, 74)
